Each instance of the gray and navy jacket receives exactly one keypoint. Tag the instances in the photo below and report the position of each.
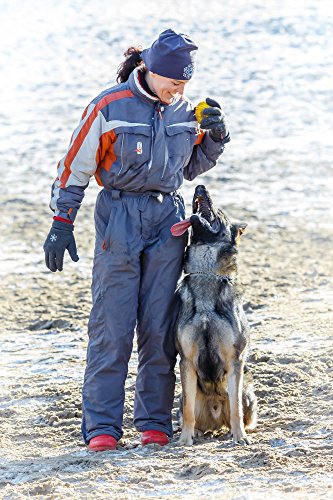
(130, 141)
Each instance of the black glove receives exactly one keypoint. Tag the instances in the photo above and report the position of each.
(59, 238)
(215, 121)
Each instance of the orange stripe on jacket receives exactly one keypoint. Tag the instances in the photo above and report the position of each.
(97, 177)
(85, 129)
(105, 155)
(85, 112)
(200, 136)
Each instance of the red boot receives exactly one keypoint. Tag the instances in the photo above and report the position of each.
(102, 443)
(158, 437)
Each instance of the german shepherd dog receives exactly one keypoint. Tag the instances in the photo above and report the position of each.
(212, 334)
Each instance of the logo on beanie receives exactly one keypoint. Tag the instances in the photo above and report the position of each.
(188, 71)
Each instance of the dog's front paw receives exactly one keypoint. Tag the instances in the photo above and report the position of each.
(186, 437)
(239, 437)
(198, 433)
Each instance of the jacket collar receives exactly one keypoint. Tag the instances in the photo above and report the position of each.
(137, 88)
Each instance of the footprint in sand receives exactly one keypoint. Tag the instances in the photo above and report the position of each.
(196, 471)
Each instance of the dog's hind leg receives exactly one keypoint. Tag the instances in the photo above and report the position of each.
(189, 384)
(235, 392)
(250, 409)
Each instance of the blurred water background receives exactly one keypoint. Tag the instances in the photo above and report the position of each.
(269, 63)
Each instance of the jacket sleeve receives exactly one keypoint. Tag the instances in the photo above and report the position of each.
(204, 156)
(79, 164)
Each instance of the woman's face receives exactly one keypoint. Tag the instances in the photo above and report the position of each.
(167, 89)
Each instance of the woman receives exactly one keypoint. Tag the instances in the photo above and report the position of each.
(139, 139)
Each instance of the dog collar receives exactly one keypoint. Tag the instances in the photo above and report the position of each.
(220, 277)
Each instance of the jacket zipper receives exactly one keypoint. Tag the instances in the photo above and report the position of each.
(165, 159)
(151, 149)
(121, 154)
(159, 110)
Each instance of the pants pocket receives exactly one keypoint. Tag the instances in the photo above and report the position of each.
(108, 231)
(103, 218)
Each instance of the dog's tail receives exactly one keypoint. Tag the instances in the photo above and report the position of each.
(210, 366)
(210, 371)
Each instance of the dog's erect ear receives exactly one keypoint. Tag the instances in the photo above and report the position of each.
(237, 230)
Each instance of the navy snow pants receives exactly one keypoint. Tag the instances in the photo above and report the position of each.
(137, 264)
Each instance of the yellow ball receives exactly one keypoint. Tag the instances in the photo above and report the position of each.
(199, 109)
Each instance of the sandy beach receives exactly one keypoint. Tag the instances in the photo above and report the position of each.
(276, 175)
(288, 299)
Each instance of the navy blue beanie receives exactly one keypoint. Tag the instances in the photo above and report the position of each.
(172, 55)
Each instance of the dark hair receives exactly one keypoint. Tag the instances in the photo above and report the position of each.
(133, 60)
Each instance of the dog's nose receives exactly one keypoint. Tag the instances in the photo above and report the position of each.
(200, 190)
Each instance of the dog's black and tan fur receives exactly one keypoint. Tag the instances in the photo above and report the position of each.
(212, 333)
